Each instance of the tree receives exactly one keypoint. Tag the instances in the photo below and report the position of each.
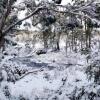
(5, 10)
(89, 10)
(8, 19)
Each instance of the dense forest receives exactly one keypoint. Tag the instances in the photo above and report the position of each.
(49, 49)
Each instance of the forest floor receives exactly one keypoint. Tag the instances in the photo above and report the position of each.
(57, 76)
(50, 76)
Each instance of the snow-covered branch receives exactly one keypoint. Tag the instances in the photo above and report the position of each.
(35, 12)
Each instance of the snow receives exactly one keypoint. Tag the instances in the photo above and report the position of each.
(70, 66)
(62, 73)
(34, 83)
(51, 80)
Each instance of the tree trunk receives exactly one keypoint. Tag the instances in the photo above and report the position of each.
(2, 43)
(58, 40)
(45, 40)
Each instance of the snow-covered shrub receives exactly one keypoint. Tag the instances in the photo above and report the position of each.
(85, 51)
(6, 91)
(84, 94)
(21, 97)
(93, 71)
(11, 74)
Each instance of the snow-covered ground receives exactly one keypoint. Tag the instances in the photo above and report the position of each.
(44, 84)
(50, 76)
(61, 76)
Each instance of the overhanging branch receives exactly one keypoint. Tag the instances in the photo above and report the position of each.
(43, 8)
(11, 26)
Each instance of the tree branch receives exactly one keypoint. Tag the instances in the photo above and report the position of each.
(30, 72)
(11, 26)
(75, 13)
(44, 7)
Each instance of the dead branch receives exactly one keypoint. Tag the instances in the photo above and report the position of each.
(30, 72)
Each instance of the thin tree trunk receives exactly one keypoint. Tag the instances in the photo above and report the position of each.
(2, 43)
(45, 40)
(58, 40)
